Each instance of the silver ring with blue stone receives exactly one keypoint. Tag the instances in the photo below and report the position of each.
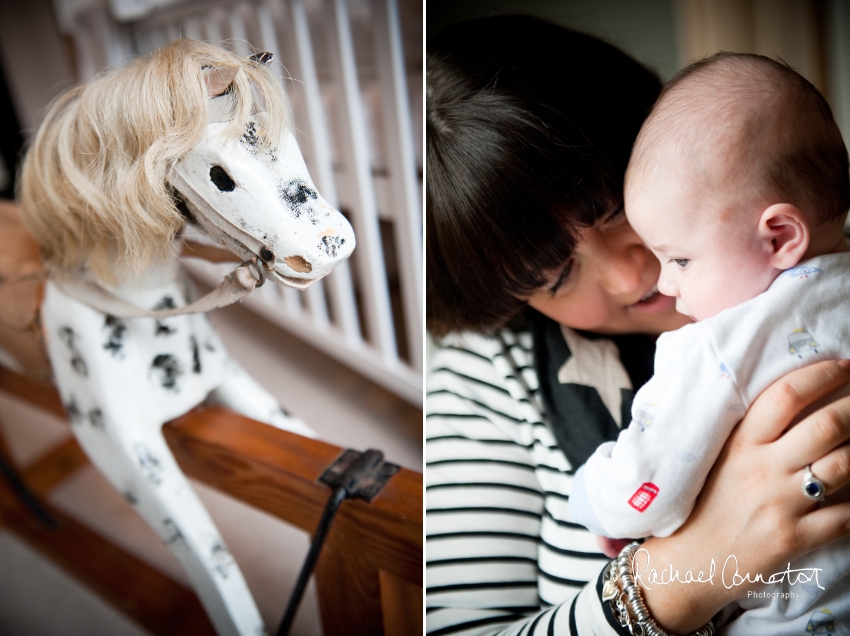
(813, 487)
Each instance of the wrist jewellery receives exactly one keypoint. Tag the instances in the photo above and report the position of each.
(813, 487)
(627, 606)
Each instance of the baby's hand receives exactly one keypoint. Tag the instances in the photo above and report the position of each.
(612, 547)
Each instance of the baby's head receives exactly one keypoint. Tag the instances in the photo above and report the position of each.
(739, 173)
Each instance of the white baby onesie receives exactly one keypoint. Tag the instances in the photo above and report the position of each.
(706, 377)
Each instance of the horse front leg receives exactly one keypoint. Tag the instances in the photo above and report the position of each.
(119, 381)
(241, 393)
(138, 462)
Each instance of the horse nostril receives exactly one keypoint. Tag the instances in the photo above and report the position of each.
(298, 264)
(267, 255)
(221, 179)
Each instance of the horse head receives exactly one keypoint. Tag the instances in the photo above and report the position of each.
(254, 195)
(189, 134)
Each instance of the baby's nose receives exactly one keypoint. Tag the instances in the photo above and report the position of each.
(666, 285)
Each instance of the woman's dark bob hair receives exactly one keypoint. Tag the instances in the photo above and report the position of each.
(529, 127)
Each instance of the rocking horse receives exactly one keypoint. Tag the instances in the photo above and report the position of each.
(188, 135)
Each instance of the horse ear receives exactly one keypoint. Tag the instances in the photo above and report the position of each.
(265, 58)
(218, 78)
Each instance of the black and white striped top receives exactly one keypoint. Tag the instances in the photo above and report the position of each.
(503, 556)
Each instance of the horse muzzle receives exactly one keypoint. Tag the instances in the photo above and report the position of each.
(312, 253)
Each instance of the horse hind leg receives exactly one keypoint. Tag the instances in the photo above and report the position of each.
(142, 467)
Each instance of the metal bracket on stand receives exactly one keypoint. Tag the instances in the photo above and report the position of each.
(363, 475)
(353, 474)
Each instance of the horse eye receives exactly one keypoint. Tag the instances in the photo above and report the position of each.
(221, 179)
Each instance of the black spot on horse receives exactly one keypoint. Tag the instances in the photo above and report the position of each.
(169, 368)
(209, 346)
(149, 464)
(161, 327)
(284, 411)
(222, 558)
(96, 419)
(196, 355)
(331, 244)
(173, 536)
(297, 195)
(250, 139)
(131, 497)
(116, 330)
(67, 335)
(73, 411)
(167, 302)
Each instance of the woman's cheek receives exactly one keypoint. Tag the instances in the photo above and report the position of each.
(586, 311)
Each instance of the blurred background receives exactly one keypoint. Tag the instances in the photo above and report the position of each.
(665, 35)
(345, 356)
(813, 36)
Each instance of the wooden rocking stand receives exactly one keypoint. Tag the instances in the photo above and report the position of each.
(369, 574)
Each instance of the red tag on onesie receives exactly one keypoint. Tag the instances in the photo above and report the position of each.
(643, 496)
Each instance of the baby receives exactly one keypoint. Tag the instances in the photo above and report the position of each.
(738, 183)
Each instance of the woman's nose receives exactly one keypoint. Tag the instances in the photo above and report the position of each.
(624, 271)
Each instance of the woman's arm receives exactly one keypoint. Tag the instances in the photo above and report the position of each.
(483, 540)
(484, 504)
(759, 471)
(751, 506)
(487, 563)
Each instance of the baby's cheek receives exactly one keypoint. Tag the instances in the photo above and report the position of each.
(715, 295)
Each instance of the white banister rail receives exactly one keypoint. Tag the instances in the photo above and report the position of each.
(345, 72)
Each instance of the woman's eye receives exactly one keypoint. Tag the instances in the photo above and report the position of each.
(614, 215)
(681, 262)
(563, 277)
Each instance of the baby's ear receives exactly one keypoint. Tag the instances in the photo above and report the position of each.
(785, 233)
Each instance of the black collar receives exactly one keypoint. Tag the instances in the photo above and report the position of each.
(576, 414)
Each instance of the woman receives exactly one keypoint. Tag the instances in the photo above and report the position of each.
(544, 303)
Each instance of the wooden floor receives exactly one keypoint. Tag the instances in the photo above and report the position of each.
(344, 407)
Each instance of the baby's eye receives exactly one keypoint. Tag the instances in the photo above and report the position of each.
(681, 262)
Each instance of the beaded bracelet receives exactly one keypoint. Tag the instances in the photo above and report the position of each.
(619, 588)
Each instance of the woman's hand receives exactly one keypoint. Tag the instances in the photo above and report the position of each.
(752, 506)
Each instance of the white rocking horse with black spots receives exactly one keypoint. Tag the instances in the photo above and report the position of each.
(190, 134)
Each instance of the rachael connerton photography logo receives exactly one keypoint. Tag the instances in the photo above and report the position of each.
(730, 576)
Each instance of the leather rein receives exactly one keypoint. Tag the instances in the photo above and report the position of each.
(235, 286)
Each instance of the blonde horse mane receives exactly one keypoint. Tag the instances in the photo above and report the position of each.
(94, 185)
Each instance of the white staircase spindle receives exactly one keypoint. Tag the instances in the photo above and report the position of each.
(342, 288)
(365, 215)
(404, 186)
